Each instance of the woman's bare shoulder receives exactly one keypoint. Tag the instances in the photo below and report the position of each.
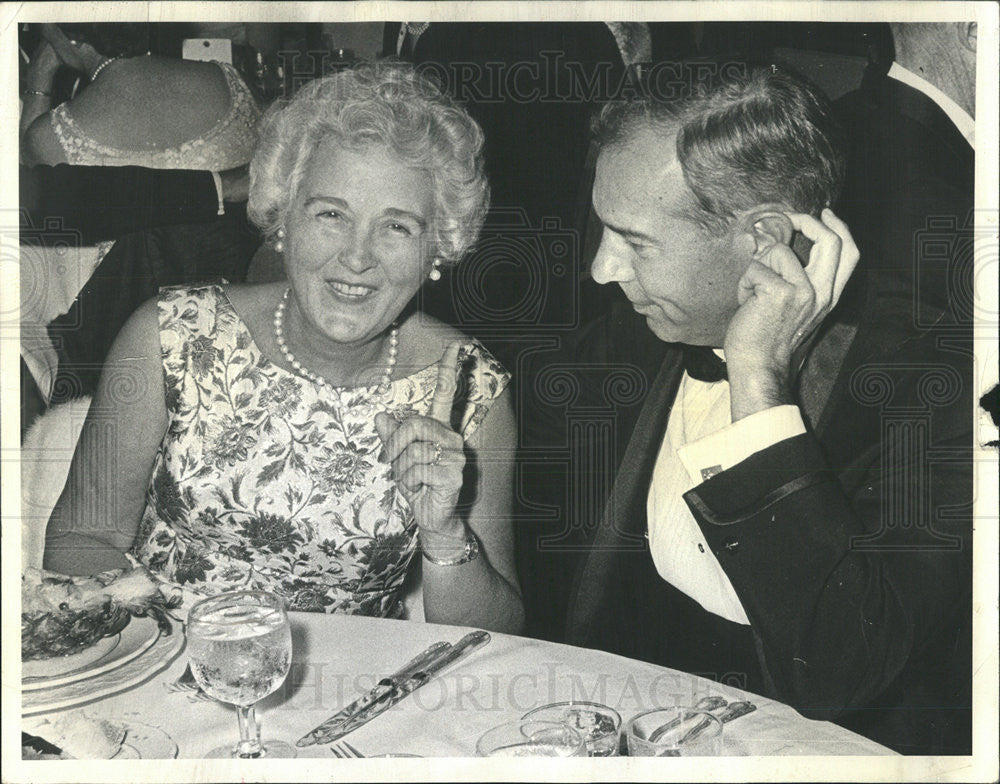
(424, 338)
(198, 95)
(151, 72)
(255, 303)
(252, 299)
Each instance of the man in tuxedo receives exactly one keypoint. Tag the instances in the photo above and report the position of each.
(910, 178)
(796, 521)
(908, 198)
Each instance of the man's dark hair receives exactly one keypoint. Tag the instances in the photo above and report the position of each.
(761, 136)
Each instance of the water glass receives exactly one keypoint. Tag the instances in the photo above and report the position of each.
(240, 646)
(674, 732)
(598, 724)
(531, 738)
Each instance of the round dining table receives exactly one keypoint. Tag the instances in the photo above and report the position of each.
(337, 658)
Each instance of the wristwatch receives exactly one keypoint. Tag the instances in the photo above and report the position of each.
(470, 553)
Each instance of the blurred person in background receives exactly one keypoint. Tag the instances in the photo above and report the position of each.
(136, 109)
(909, 198)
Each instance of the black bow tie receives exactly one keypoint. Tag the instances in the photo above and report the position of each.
(703, 364)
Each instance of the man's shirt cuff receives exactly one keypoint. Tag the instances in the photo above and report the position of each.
(721, 450)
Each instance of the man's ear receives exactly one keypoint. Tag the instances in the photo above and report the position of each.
(767, 225)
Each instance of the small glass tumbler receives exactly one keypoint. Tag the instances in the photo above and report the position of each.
(598, 724)
(674, 732)
(530, 738)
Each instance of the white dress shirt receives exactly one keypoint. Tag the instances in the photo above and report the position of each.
(962, 119)
(701, 441)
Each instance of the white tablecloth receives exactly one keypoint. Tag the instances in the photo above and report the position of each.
(336, 658)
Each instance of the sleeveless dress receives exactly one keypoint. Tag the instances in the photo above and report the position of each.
(227, 145)
(263, 481)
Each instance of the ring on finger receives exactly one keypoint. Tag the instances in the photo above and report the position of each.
(436, 460)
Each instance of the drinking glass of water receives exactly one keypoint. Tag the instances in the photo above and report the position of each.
(531, 738)
(240, 646)
(674, 732)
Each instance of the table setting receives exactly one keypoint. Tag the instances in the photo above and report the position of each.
(237, 675)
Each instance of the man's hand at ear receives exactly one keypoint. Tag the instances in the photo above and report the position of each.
(781, 303)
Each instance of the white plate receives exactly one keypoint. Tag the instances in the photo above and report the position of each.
(139, 668)
(43, 669)
(143, 741)
(138, 636)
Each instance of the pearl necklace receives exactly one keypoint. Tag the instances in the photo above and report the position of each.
(279, 335)
(102, 66)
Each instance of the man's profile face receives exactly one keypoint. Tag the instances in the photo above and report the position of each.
(680, 277)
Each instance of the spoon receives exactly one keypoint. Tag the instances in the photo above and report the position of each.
(734, 711)
(704, 704)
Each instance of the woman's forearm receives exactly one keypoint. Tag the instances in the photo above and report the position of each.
(34, 105)
(471, 594)
(37, 94)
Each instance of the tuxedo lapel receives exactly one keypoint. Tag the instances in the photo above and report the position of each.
(602, 587)
(623, 523)
(821, 371)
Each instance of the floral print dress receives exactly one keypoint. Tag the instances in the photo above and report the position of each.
(263, 481)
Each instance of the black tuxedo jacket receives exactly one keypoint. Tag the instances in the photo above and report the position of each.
(849, 547)
(909, 197)
(166, 231)
(97, 203)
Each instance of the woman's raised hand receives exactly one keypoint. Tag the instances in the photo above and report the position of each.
(42, 69)
(427, 456)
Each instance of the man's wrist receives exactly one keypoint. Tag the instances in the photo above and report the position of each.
(752, 391)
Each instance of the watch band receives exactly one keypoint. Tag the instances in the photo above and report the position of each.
(470, 553)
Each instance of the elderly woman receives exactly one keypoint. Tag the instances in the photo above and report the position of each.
(306, 437)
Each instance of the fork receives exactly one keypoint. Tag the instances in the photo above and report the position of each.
(345, 750)
(186, 682)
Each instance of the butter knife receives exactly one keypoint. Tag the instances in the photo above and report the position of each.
(417, 678)
(384, 687)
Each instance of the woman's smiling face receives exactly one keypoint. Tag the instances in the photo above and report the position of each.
(357, 240)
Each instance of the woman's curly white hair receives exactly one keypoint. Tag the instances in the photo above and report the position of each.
(386, 103)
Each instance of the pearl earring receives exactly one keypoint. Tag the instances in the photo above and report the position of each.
(279, 244)
(435, 273)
